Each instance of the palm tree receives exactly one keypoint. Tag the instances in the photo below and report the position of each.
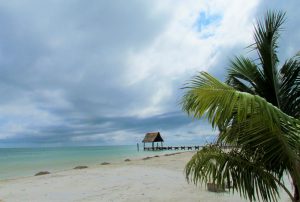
(280, 88)
(258, 111)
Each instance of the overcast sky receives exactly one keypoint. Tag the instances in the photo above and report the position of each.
(78, 72)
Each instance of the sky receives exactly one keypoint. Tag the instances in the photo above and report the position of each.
(78, 72)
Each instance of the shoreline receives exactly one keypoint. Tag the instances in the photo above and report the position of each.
(26, 162)
(153, 179)
(94, 165)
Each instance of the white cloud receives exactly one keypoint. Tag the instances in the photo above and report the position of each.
(117, 137)
(179, 51)
(75, 70)
(22, 117)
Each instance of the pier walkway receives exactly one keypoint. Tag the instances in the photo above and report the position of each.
(173, 148)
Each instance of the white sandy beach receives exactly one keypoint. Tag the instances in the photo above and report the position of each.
(156, 179)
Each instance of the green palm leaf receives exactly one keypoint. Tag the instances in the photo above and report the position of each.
(261, 78)
(266, 35)
(290, 86)
(249, 121)
(244, 75)
(246, 175)
(258, 114)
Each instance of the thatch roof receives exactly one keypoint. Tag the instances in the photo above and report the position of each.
(153, 137)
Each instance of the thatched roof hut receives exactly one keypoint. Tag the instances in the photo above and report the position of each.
(153, 137)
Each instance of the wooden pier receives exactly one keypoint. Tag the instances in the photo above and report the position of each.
(157, 148)
(155, 137)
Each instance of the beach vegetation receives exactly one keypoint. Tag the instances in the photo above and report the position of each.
(257, 113)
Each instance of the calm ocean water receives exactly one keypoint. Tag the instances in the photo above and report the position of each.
(21, 162)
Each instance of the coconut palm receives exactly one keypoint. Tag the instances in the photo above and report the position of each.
(261, 77)
(258, 112)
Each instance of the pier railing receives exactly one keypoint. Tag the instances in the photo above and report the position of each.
(173, 148)
(224, 147)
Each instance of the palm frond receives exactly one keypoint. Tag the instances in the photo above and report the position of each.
(246, 175)
(266, 35)
(249, 119)
(277, 146)
(258, 112)
(252, 79)
(290, 87)
(219, 101)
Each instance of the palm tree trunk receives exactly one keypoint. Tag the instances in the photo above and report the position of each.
(296, 190)
(296, 187)
(296, 193)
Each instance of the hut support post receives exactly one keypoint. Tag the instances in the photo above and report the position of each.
(152, 138)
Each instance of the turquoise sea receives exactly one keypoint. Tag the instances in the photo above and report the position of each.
(22, 162)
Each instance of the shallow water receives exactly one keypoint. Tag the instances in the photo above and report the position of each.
(21, 162)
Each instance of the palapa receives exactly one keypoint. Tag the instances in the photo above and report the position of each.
(153, 137)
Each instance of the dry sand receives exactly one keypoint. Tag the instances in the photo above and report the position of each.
(155, 179)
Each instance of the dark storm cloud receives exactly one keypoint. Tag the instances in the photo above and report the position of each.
(67, 58)
(102, 127)
(66, 77)
(72, 46)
